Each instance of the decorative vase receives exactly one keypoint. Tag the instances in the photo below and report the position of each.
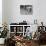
(2, 40)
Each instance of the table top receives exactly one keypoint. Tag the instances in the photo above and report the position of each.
(22, 40)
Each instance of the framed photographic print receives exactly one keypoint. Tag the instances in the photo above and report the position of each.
(26, 9)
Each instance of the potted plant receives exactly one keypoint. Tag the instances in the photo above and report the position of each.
(3, 34)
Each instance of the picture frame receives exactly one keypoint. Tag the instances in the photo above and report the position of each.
(26, 9)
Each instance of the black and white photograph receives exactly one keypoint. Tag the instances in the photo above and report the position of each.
(26, 9)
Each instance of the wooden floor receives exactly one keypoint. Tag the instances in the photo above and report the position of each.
(1, 45)
(42, 45)
(32, 45)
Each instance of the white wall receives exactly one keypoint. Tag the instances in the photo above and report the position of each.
(4, 11)
(12, 11)
(0, 13)
(42, 11)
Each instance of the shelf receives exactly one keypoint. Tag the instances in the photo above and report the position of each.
(16, 32)
(19, 27)
(19, 32)
(12, 32)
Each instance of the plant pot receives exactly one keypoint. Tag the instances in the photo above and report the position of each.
(2, 40)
